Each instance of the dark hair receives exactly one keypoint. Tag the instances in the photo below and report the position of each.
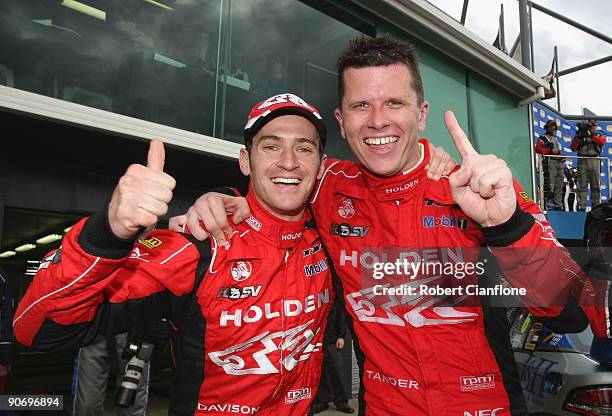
(363, 52)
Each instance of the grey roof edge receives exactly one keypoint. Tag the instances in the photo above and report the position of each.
(435, 28)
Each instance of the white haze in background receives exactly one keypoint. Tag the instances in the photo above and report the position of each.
(592, 87)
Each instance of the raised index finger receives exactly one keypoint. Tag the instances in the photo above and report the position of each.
(156, 156)
(462, 143)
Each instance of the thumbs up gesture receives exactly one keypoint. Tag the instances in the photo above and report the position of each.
(142, 195)
(483, 187)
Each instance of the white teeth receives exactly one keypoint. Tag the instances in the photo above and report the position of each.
(381, 140)
(290, 181)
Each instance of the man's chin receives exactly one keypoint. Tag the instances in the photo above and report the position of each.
(382, 169)
(288, 207)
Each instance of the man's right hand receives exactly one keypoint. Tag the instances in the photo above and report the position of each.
(208, 216)
(142, 195)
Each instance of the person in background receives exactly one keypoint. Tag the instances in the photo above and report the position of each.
(6, 331)
(332, 387)
(548, 145)
(276, 80)
(237, 68)
(570, 179)
(588, 144)
(92, 370)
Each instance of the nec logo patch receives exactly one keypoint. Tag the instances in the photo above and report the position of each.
(483, 412)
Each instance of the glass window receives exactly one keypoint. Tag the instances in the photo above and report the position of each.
(197, 65)
(154, 60)
(281, 46)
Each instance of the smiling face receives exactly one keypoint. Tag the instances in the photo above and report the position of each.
(284, 164)
(380, 117)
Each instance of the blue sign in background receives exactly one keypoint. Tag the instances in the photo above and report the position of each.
(565, 135)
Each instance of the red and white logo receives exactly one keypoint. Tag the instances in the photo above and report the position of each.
(483, 412)
(291, 236)
(294, 396)
(471, 383)
(254, 223)
(403, 187)
(272, 104)
(346, 209)
(241, 270)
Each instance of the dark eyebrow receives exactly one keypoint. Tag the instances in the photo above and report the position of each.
(270, 137)
(277, 139)
(310, 141)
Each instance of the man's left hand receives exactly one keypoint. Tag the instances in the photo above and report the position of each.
(483, 186)
(440, 163)
(340, 343)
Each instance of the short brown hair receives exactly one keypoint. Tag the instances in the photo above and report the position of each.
(363, 52)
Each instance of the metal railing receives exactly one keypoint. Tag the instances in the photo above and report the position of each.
(545, 192)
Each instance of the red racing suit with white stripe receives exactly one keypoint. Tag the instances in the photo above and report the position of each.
(420, 354)
(250, 318)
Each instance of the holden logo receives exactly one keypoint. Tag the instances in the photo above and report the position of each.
(345, 209)
(241, 270)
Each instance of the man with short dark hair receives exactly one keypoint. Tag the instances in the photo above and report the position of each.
(588, 143)
(548, 145)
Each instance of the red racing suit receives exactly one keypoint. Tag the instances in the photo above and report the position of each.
(417, 354)
(250, 318)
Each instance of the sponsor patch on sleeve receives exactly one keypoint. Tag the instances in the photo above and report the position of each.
(151, 242)
(525, 197)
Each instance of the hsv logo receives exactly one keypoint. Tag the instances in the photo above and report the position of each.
(403, 187)
(236, 292)
(254, 223)
(297, 395)
(470, 383)
(483, 412)
(291, 236)
(346, 230)
(241, 270)
(444, 221)
(346, 209)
